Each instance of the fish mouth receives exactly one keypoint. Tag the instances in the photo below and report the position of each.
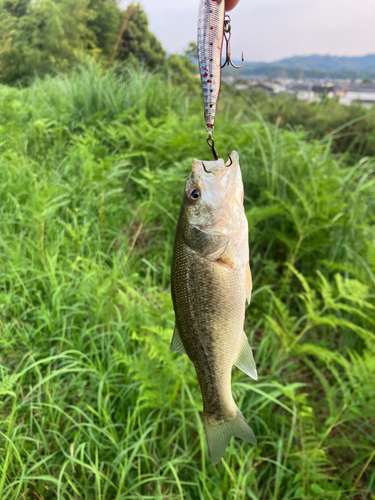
(217, 175)
(228, 164)
(217, 167)
(218, 178)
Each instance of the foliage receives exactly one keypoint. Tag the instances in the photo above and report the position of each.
(138, 44)
(39, 36)
(53, 35)
(192, 51)
(94, 404)
(105, 25)
(182, 71)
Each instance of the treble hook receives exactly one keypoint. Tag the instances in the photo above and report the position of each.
(227, 35)
(211, 143)
(230, 164)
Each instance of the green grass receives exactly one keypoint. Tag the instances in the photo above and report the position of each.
(94, 405)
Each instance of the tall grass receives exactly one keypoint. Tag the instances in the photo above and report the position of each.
(94, 405)
(92, 93)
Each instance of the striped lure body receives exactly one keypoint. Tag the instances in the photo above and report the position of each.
(210, 41)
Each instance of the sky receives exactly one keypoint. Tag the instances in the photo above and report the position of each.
(269, 30)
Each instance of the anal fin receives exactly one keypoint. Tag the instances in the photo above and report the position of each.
(176, 344)
(245, 361)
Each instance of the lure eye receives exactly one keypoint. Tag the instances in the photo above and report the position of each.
(193, 195)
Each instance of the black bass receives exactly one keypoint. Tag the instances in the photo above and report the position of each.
(211, 281)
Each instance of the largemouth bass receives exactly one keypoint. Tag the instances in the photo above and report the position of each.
(211, 281)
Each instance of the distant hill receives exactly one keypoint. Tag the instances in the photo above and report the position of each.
(313, 66)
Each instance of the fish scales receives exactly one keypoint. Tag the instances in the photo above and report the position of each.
(210, 40)
(203, 322)
(210, 283)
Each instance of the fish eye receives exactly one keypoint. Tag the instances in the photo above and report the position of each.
(193, 194)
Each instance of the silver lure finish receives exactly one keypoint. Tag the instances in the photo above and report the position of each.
(210, 41)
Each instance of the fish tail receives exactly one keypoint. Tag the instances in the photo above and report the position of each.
(218, 434)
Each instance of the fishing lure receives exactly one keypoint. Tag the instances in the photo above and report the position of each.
(213, 27)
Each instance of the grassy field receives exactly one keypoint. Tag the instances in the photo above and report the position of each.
(93, 404)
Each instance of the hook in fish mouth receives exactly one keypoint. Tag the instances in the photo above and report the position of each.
(230, 164)
(211, 143)
(204, 166)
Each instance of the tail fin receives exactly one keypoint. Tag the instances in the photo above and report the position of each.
(218, 435)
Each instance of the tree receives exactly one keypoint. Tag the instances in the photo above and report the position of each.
(182, 71)
(106, 24)
(38, 35)
(192, 51)
(138, 43)
(45, 35)
(17, 8)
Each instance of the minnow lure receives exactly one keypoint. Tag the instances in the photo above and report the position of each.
(213, 27)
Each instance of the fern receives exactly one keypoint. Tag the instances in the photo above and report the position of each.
(8, 382)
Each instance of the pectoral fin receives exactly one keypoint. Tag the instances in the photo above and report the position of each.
(210, 243)
(245, 361)
(176, 344)
(249, 284)
(210, 230)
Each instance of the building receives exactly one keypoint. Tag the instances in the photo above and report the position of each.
(345, 91)
(241, 86)
(309, 91)
(364, 93)
(269, 88)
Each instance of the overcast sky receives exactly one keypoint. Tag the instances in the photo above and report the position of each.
(268, 30)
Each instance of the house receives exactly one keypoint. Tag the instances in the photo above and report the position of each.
(241, 86)
(309, 91)
(269, 88)
(364, 93)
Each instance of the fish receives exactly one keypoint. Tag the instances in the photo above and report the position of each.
(210, 284)
(211, 18)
